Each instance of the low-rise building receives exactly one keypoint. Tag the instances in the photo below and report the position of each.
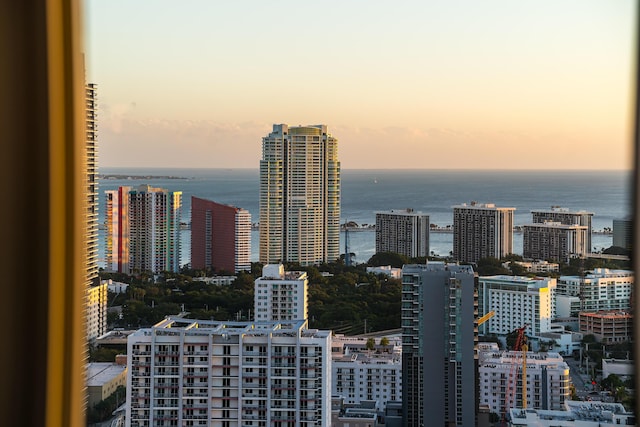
(607, 326)
(574, 413)
(535, 266)
(500, 379)
(103, 378)
(208, 373)
(600, 289)
(96, 313)
(394, 273)
(216, 280)
(622, 368)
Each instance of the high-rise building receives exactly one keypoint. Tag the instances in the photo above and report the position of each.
(299, 196)
(280, 295)
(566, 217)
(143, 229)
(96, 310)
(623, 233)
(91, 107)
(206, 373)
(404, 232)
(516, 301)
(439, 334)
(220, 237)
(481, 231)
(554, 241)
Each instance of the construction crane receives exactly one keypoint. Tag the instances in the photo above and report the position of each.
(520, 345)
(486, 317)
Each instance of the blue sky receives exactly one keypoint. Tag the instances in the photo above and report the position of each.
(421, 84)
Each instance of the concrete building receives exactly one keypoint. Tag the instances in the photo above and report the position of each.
(535, 266)
(143, 230)
(554, 241)
(96, 312)
(500, 377)
(575, 413)
(439, 334)
(566, 217)
(516, 301)
(91, 159)
(103, 378)
(220, 237)
(360, 375)
(299, 196)
(404, 232)
(600, 289)
(481, 231)
(280, 295)
(206, 373)
(623, 233)
(608, 327)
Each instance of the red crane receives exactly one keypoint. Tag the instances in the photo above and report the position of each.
(520, 345)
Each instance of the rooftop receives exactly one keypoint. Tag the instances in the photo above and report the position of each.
(100, 373)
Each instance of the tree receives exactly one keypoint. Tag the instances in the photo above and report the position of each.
(491, 266)
(388, 258)
(371, 344)
(384, 341)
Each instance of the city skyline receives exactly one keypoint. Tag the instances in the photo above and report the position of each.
(529, 86)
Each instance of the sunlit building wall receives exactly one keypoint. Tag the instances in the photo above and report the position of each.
(299, 196)
(280, 295)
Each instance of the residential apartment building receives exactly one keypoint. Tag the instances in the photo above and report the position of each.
(535, 266)
(516, 301)
(96, 310)
(405, 232)
(361, 375)
(481, 231)
(143, 229)
(608, 327)
(575, 413)
(185, 372)
(566, 217)
(600, 289)
(299, 196)
(554, 241)
(439, 334)
(280, 295)
(91, 163)
(220, 237)
(501, 385)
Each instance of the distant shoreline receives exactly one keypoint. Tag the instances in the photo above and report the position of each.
(138, 177)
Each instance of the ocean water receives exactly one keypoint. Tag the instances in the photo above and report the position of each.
(434, 192)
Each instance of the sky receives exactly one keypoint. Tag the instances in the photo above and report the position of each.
(459, 84)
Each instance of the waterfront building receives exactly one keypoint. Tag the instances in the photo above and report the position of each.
(500, 377)
(600, 289)
(608, 327)
(362, 375)
(96, 310)
(554, 241)
(404, 232)
(482, 231)
(566, 217)
(299, 196)
(623, 233)
(220, 237)
(516, 301)
(280, 295)
(575, 413)
(143, 229)
(209, 373)
(438, 344)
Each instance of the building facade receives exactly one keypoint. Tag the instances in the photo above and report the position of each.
(481, 231)
(554, 241)
(566, 217)
(185, 372)
(299, 196)
(623, 233)
(600, 289)
(608, 327)
(516, 301)
(500, 376)
(404, 232)
(91, 138)
(280, 295)
(439, 334)
(220, 237)
(143, 229)
(96, 312)
(362, 375)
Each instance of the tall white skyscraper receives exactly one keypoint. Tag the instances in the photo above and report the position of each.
(481, 230)
(299, 196)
